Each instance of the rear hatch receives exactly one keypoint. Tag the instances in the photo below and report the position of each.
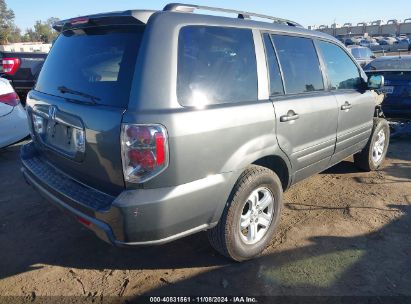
(81, 94)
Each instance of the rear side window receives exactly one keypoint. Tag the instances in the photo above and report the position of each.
(299, 63)
(94, 61)
(216, 65)
(276, 84)
(342, 71)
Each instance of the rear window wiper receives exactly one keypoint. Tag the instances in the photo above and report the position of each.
(66, 90)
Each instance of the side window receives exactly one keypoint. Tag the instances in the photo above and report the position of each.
(299, 63)
(342, 71)
(276, 84)
(216, 65)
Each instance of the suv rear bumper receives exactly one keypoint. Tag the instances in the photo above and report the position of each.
(134, 217)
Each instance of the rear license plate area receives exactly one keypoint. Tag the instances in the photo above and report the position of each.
(61, 137)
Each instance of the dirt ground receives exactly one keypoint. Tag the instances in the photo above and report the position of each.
(343, 232)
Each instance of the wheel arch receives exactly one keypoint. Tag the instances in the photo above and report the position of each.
(279, 166)
(274, 162)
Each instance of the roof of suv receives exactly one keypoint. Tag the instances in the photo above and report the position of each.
(243, 19)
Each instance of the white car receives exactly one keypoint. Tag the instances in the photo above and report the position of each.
(13, 119)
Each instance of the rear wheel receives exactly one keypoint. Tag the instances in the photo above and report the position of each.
(373, 155)
(251, 215)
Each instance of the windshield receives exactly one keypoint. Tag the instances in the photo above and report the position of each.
(96, 61)
(390, 64)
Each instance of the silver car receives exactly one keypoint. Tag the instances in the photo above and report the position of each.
(13, 119)
(167, 123)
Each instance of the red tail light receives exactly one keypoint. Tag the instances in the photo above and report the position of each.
(11, 65)
(11, 99)
(144, 151)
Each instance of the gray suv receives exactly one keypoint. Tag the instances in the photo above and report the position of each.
(148, 126)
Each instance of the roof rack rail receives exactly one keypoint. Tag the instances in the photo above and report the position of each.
(189, 8)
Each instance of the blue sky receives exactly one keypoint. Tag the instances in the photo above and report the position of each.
(308, 12)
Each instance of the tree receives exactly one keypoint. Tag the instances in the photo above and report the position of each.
(43, 31)
(14, 34)
(7, 27)
(30, 36)
(9, 33)
(51, 21)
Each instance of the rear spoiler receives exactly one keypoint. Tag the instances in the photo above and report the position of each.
(125, 17)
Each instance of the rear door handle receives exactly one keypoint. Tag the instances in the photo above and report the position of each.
(291, 115)
(346, 106)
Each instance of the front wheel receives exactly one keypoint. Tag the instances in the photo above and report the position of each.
(373, 155)
(251, 215)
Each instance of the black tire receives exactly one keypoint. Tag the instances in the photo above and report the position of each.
(364, 159)
(225, 237)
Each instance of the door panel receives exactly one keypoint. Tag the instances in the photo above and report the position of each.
(311, 138)
(307, 115)
(355, 105)
(354, 123)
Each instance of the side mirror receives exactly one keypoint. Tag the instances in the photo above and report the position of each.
(375, 82)
(373, 56)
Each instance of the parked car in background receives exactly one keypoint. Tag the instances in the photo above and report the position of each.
(403, 43)
(144, 146)
(387, 41)
(13, 119)
(22, 69)
(352, 41)
(378, 38)
(342, 40)
(401, 37)
(363, 55)
(397, 86)
(368, 42)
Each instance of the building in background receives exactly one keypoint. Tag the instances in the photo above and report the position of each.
(376, 28)
(28, 47)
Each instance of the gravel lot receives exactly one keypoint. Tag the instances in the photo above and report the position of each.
(343, 232)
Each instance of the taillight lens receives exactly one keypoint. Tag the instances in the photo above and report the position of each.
(11, 99)
(11, 65)
(144, 150)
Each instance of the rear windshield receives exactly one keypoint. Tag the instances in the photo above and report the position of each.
(389, 64)
(93, 64)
